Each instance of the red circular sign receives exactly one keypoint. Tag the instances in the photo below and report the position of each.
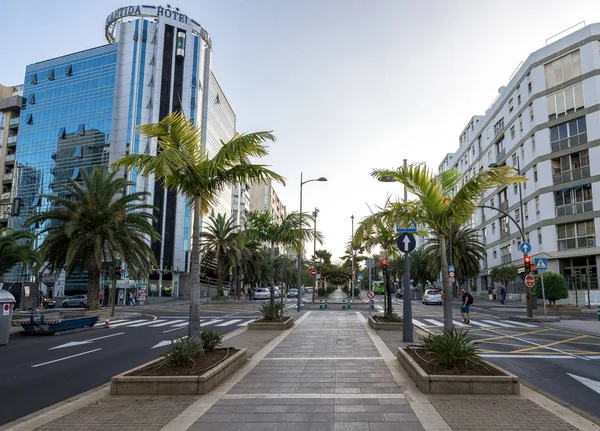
(529, 281)
(313, 272)
(6, 308)
(371, 294)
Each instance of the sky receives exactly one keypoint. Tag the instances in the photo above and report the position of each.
(347, 86)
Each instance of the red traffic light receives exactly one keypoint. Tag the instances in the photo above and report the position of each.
(384, 263)
(527, 260)
(528, 295)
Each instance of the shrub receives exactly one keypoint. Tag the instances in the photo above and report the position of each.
(182, 352)
(555, 287)
(451, 348)
(272, 312)
(210, 339)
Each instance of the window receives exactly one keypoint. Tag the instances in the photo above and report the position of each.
(568, 134)
(75, 173)
(32, 99)
(529, 82)
(510, 105)
(531, 112)
(575, 200)
(522, 151)
(81, 129)
(571, 167)
(495, 254)
(489, 156)
(539, 232)
(34, 79)
(520, 123)
(533, 143)
(493, 228)
(526, 210)
(563, 69)
(535, 176)
(537, 204)
(514, 159)
(515, 188)
(217, 100)
(483, 235)
(518, 215)
(77, 152)
(62, 133)
(51, 75)
(69, 70)
(499, 126)
(473, 149)
(504, 227)
(500, 146)
(29, 119)
(565, 101)
(519, 96)
(576, 235)
(512, 132)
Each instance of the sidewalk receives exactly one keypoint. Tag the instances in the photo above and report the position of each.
(330, 372)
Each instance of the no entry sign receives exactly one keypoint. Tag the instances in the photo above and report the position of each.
(371, 294)
(5, 309)
(313, 272)
(529, 281)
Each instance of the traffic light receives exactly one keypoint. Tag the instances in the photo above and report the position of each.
(117, 272)
(528, 295)
(527, 264)
(384, 263)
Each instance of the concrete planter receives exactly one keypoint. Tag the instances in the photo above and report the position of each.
(431, 384)
(123, 384)
(384, 325)
(287, 323)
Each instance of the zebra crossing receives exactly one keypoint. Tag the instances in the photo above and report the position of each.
(175, 324)
(433, 324)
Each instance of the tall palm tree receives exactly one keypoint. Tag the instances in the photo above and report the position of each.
(440, 201)
(96, 222)
(183, 165)
(420, 270)
(219, 243)
(15, 247)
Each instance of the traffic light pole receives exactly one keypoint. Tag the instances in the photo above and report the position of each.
(407, 325)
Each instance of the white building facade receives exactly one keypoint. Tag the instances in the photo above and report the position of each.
(545, 121)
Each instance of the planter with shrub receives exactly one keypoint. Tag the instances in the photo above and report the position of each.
(189, 367)
(387, 321)
(273, 317)
(449, 364)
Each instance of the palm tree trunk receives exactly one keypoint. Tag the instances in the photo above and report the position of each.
(194, 325)
(219, 274)
(447, 304)
(272, 280)
(93, 298)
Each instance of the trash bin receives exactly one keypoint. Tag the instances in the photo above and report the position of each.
(6, 305)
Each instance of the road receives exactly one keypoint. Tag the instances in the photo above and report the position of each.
(562, 362)
(38, 371)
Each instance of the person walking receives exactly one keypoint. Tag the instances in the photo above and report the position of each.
(502, 294)
(465, 308)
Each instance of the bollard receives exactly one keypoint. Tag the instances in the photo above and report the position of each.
(320, 304)
(349, 304)
(599, 312)
(343, 304)
(372, 304)
(325, 304)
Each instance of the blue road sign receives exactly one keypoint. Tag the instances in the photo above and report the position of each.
(412, 227)
(360, 277)
(525, 247)
(541, 263)
(126, 276)
(451, 268)
(406, 242)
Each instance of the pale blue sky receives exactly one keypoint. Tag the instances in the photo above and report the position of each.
(347, 85)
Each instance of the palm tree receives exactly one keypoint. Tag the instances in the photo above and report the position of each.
(467, 251)
(96, 222)
(15, 247)
(420, 270)
(440, 202)
(292, 231)
(182, 165)
(219, 243)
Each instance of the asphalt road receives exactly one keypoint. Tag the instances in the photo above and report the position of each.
(38, 371)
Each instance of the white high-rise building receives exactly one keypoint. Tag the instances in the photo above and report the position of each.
(545, 121)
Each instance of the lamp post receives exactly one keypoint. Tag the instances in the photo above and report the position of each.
(522, 227)
(315, 213)
(352, 250)
(302, 242)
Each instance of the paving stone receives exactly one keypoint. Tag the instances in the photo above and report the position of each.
(216, 426)
(305, 426)
(399, 426)
(307, 417)
(328, 408)
(351, 426)
(274, 426)
(358, 417)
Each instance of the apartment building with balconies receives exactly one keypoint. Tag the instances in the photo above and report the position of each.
(545, 123)
(11, 99)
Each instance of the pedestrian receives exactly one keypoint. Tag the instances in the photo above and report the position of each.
(465, 308)
(494, 293)
(502, 294)
(490, 293)
(250, 292)
(101, 298)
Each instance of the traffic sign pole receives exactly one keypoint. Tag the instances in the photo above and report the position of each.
(543, 293)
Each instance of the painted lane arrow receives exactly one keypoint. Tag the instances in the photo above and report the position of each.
(594, 385)
(167, 342)
(79, 343)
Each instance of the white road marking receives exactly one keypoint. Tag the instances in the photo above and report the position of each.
(246, 323)
(129, 322)
(494, 355)
(172, 322)
(457, 323)
(181, 325)
(435, 322)
(210, 322)
(65, 358)
(492, 322)
(111, 322)
(594, 385)
(230, 322)
(149, 322)
(419, 324)
(527, 325)
(483, 325)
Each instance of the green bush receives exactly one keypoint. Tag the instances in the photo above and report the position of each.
(210, 339)
(272, 312)
(450, 349)
(182, 352)
(555, 287)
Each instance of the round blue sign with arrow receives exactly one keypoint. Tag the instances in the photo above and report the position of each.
(406, 242)
(525, 247)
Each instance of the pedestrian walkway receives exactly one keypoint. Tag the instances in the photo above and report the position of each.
(174, 324)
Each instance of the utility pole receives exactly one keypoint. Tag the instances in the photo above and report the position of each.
(352, 249)
(407, 326)
(315, 213)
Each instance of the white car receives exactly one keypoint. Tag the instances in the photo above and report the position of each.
(262, 293)
(432, 296)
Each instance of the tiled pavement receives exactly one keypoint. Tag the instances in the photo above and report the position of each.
(325, 375)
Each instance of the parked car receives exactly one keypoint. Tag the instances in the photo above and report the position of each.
(277, 292)
(432, 296)
(262, 293)
(47, 302)
(292, 293)
(75, 301)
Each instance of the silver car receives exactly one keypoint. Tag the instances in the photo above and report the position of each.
(432, 296)
(75, 301)
(262, 293)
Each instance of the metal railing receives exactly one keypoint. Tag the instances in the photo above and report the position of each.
(572, 141)
(8, 177)
(14, 121)
(572, 175)
(576, 208)
(11, 140)
(579, 242)
(506, 259)
(9, 158)
(5, 196)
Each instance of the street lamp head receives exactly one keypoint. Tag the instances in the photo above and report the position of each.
(387, 179)
(493, 165)
(322, 179)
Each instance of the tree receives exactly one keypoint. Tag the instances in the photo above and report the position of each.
(95, 222)
(440, 202)
(15, 247)
(182, 165)
(504, 273)
(555, 287)
(219, 243)
(420, 270)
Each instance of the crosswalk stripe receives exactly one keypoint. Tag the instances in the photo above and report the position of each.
(230, 322)
(419, 324)
(170, 322)
(527, 325)
(434, 322)
(148, 322)
(180, 325)
(210, 322)
(498, 323)
(246, 323)
(129, 322)
(483, 325)
(111, 322)
(457, 323)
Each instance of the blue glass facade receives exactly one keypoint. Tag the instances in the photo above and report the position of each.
(66, 124)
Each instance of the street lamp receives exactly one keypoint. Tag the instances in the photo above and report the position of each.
(315, 213)
(352, 250)
(302, 242)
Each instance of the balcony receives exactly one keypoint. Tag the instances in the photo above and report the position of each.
(500, 155)
(7, 178)
(572, 175)
(5, 196)
(9, 159)
(573, 141)
(13, 123)
(505, 232)
(579, 242)
(5, 211)
(11, 141)
(503, 206)
(576, 208)
(506, 259)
